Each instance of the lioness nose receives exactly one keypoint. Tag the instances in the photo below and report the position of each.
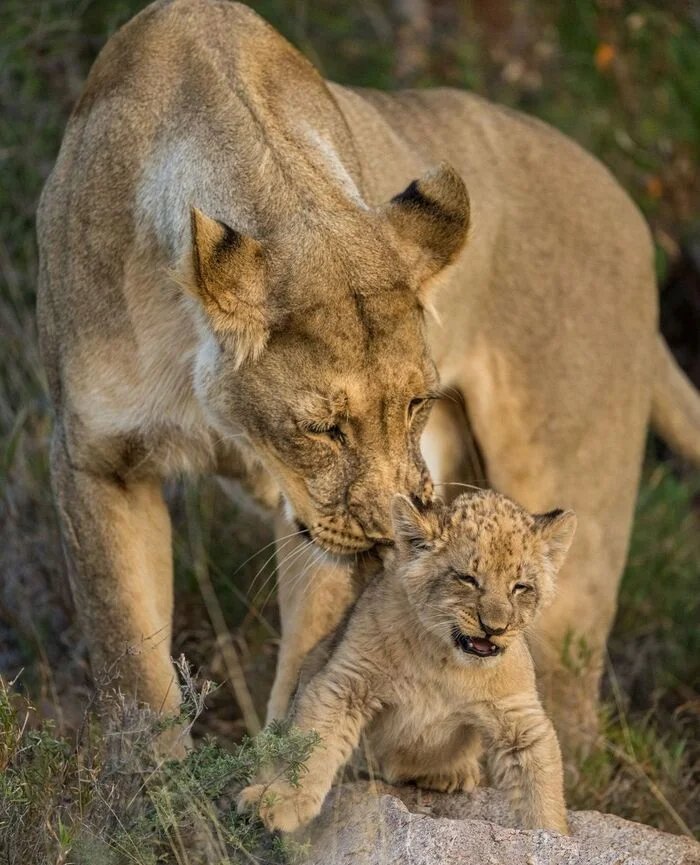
(489, 630)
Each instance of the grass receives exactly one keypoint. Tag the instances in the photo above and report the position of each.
(648, 765)
(621, 78)
(102, 798)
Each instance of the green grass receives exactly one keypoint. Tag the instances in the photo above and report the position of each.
(648, 762)
(660, 583)
(639, 111)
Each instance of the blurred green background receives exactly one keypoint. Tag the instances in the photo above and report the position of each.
(623, 79)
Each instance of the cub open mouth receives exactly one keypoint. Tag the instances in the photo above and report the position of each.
(479, 646)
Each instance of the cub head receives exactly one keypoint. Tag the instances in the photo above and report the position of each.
(313, 353)
(478, 571)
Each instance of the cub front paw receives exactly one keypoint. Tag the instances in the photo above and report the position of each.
(280, 805)
(468, 776)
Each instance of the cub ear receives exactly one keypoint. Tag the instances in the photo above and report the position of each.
(556, 529)
(416, 526)
(225, 274)
(432, 215)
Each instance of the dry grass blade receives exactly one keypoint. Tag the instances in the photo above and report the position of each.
(234, 667)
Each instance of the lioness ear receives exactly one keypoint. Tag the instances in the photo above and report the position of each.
(556, 529)
(432, 215)
(227, 277)
(416, 526)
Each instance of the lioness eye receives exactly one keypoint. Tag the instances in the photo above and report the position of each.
(467, 578)
(333, 431)
(519, 588)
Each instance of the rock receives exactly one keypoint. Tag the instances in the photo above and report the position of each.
(375, 824)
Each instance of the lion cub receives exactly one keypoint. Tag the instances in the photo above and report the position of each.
(430, 664)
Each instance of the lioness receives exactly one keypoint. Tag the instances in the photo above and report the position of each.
(432, 658)
(232, 281)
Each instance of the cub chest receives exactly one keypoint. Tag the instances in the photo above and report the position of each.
(420, 720)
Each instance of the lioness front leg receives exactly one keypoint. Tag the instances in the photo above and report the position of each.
(338, 708)
(313, 594)
(525, 761)
(117, 538)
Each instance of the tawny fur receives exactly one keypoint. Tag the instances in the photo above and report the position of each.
(225, 278)
(395, 675)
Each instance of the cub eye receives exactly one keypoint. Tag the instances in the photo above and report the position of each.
(336, 434)
(520, 588)
(467, 578)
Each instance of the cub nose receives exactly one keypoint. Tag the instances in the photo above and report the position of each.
(491, 631)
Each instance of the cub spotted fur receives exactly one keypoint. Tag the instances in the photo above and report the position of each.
(431, 664)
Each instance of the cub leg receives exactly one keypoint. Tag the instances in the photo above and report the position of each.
(338, 708)
(117, 538)
(460, 773)
(525, 761)
(313, 594)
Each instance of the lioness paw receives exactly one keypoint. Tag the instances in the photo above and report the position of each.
(280, 805)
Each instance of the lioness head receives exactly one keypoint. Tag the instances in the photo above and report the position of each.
(314, 352)
(478, 571)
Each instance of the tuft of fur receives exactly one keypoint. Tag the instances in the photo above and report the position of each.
(396, 674)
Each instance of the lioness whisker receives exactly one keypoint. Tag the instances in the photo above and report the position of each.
(267, 546)
(267, 562)
(288, 560)
(313, 566)
(290, 556)
(296, 578)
